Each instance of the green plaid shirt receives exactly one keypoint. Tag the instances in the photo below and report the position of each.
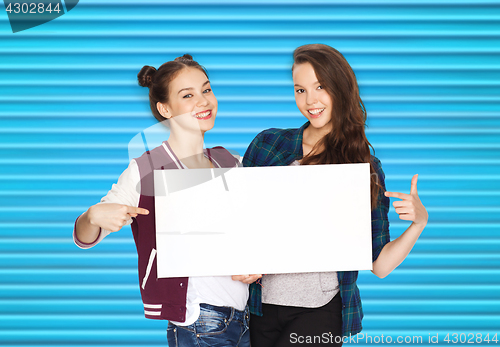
(281, 147)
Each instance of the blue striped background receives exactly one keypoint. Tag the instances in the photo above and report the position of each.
(429, 75)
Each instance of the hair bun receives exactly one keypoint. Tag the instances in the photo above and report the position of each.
(145, 76)
(184, 57)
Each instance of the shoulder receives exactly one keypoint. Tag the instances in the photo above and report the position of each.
(224, 156)
(131, 174)
(159, 150)
(275, 146)
(276, 134)
(269, 144)
(375, 160)
(219, 149)
(273, 139)
(377, 165)
(155, 159)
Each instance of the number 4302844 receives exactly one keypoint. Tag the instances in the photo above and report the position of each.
(32, 7)
(470, 338)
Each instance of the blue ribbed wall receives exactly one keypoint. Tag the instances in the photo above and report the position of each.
(429, 75)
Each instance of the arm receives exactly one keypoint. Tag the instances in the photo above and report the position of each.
(410, 208)
(85, 231)
(113, 212)
(108, 216)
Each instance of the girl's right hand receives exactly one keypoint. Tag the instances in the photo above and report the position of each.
(113, 217)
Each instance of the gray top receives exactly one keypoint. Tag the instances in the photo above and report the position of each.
(308, 289)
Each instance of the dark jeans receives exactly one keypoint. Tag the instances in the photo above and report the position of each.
(297, 326)
(216, 327)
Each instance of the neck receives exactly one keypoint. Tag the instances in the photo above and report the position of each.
(312, 135)
(187, 144)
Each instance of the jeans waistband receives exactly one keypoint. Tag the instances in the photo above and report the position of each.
(228, 311)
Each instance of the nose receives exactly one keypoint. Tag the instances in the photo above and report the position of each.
(202, 101)
(311, 99)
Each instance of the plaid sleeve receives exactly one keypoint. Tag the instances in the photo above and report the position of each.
(255, 298)
(264, 146)
(253, 152)
(251, 158)
(380, 220)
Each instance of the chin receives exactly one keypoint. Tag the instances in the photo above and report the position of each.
(319, 123)
(207, 127)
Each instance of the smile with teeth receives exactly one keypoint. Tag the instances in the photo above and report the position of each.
(316, 111)
(203, 115)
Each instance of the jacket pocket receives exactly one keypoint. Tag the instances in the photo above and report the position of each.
(148, 269)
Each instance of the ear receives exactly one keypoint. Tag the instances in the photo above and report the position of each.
(163, 109)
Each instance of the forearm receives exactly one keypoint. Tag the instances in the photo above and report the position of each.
(85, 231)
(396, 251)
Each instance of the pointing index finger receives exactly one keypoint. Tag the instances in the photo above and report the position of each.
(137, 210)
(397, 195)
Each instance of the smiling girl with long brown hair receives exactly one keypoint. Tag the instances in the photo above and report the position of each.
(321, 308)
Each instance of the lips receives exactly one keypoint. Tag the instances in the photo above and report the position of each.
(315, 112)
(203, 115)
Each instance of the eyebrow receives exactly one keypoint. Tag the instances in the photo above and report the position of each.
(191, 88)
(298, 85)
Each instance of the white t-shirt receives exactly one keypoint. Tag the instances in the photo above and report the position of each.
(214, 290)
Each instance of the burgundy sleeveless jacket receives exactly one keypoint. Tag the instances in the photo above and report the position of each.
(163, 298)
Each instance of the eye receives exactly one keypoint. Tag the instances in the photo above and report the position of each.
(187, 96)
(320, 87)
(299, 91)
(208, 90)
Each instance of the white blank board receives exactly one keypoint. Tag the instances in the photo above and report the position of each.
(263, 220)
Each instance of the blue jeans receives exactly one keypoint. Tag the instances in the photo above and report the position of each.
(216, 326)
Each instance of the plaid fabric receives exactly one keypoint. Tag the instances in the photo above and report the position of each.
(281, 147)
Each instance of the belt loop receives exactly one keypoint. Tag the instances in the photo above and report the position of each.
(233, 311)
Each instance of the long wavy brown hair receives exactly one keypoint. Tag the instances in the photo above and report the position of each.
(346, 142)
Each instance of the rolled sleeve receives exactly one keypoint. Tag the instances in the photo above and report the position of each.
(85, 245)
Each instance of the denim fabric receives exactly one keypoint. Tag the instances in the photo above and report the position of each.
(216, 326)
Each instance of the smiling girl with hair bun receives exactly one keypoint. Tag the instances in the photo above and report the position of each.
(202, 311)
(287, 308)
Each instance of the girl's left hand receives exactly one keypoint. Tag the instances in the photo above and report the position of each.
(410, 208)
(246, 278)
